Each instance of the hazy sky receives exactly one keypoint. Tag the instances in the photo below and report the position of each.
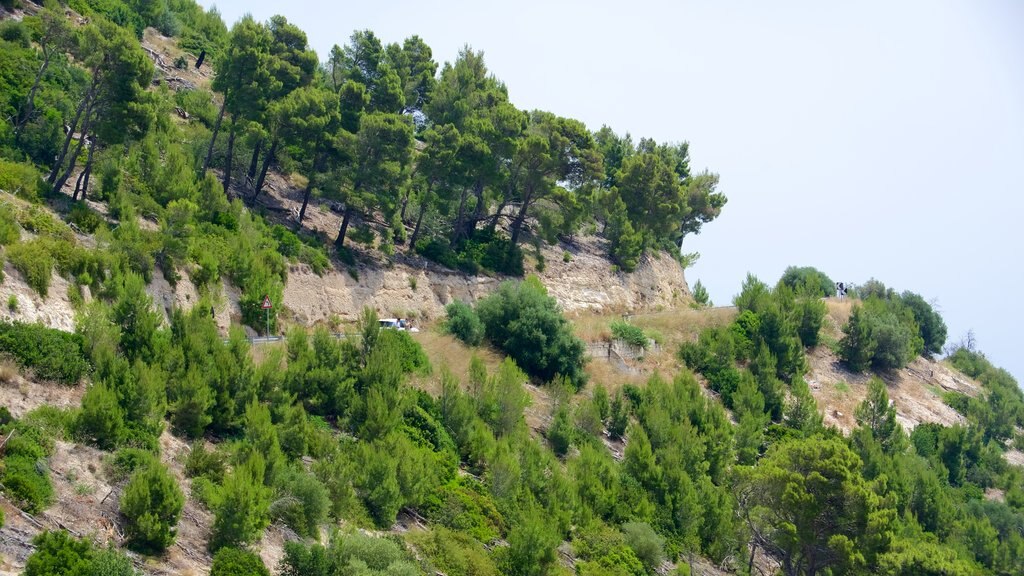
(868, 139)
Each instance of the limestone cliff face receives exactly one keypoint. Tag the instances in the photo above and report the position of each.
(586, 281)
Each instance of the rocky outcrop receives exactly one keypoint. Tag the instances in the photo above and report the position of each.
(583, 280)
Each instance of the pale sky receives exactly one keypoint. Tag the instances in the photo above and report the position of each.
(868, 139)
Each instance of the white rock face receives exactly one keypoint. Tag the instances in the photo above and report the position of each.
(586, 282)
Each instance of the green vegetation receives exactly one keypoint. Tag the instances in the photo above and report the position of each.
(152, 503)
(52, 354)
(522, 320)
(25, 474)
(701, 299)
(235, 562)
(890, 329)
(57, 553)
(633, 335)
(325, 432)
(808, 280)
(464, 323)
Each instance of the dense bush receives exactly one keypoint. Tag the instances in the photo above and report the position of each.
(464, 323)
(56, 552)
(152, 503)
(20, 179)
(10, 231)
(645, 543)
(881, 334)
(242, 508)
(521, 319)
(633, 335)
(35, 263)
(484, 251)
(52, 354)
(354, 553)
(932, 328)
(235, 562)
(26, 478)
(809, 281)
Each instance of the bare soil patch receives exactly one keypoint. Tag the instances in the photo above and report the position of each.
(916, 391)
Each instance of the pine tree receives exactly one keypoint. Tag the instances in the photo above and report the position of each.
(152, 503)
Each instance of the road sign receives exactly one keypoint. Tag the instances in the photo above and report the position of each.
(267, 304)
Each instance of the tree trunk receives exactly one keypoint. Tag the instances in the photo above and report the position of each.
(340, 240)
(478, 211)
(216, 129)
(30, 102)
(250, 176)
(405, 205)
(750, 563)
(86, 126)
(59, 161)
(88, 168)
(497, 216)
(419, 218)
(263, 171)
(517, 224)
(459, 220)
(305, 202)
(78, 186)
(227, 161)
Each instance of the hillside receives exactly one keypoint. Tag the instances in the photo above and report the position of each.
(201, 227)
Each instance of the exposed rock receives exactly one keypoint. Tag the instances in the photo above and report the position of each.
(586, 282)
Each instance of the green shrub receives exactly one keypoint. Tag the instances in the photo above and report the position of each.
(198, 103)
(26, 481)
(14, 31)
(632, 335)
(235, 562)
(52, 354)
(12, 302)
(808, 281)
(302, 503)
(648, 546)
(465, 506)
(10, 231)
(57, 553)
(700, 295)
(881, 334)
(521, 319)
(205, 492)
(84, 217)
(409, 353)
(203, 462)
(463, 323)
(21, 179)
(484, 250)
(126, 461)
(242, 506)
(152, 503)
(101, 421)
(453, 552)
(34, 262)
(38, 221)
(25, 474)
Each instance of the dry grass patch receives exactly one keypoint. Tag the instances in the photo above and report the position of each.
(674, 326)
(446, 350)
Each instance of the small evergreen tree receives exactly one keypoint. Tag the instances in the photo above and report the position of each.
(152, 503)
(101, 420)
(242, 510)
(857, 348)
(230, 561)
